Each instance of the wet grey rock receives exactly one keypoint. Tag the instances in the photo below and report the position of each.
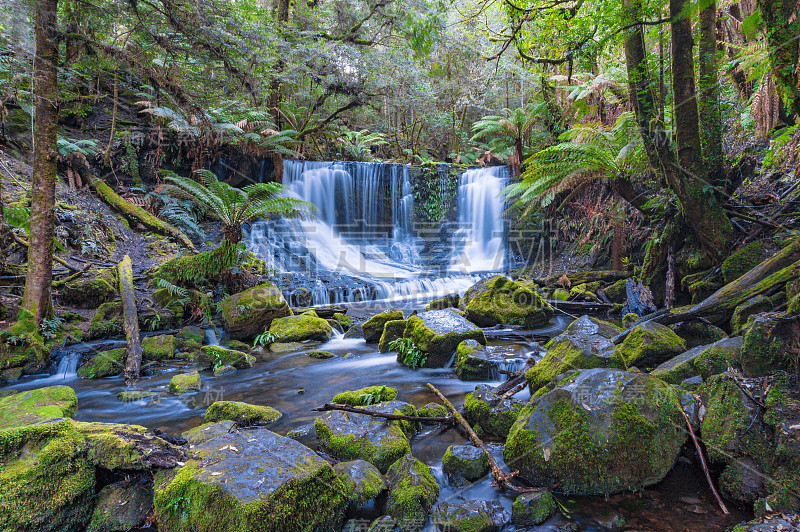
(362, 481)
(122, 506)
(354, 332)
(470, 516)
(533, 508)
(412, 492)
(483, 408)
(465, 461)
(438, 333)
(475, 362)
(703, 361)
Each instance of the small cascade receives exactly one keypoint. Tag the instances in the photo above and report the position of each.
(478, 244)
(211, 337)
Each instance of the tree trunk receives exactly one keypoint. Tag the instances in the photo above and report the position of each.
(687, 124)
(39, 275)
(709, 104)
(133, 363)
(782, 22)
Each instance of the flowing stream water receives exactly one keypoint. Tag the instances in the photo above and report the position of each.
(364, 236)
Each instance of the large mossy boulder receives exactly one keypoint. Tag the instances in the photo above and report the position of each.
(742, 313)
(104, 364)
(484, 410)
(373, 327)
(393, 330)
(301, 329)
(159, 347)
(22, 349)
(122, 447)
(185, 383)
(268, 483)
(243, 414)
(37, 406)
(585, 344)
(743, 260)
(703, 360)
(602, 432)
(90, 291)
(770, 344)
(107, 322)
(448, 301)
(250, 313)
(474, 362)
(465, 461)
(498, 301)
(412, 492)
(214, 356)
(470, 516)
(366, 396)
(533, 509)
(349, 436)
(122, 506)
(47, 484)
(647, 346)
(438, 332)
(363, 482)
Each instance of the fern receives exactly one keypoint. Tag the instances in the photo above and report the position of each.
(177, 294)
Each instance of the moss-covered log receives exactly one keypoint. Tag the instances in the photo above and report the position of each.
(133, 362)
(138, 214)
(606, 276)
(203, 267)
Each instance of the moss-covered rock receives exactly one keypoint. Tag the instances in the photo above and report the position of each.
(412, 492)
(448, 301)
(245, 415)
(465, 461)
(46, 482)
(482, 408)
(131, 396)
(22, 348)
(743, 260)
(770, 344)
(354, 332)
(105, 364)
(561, 294)
(107, 322)
(116, 446)
(533, 509)
(214, 356)
(193, 334)
(474, 362)
(185, 383)
(392, 330)
(499, 300)
(160, 347)
(438, 332)
(697, 333)
(287, 347)
(470, 516)
(603, 432)
(585, 344)
(704, 360)
(223, 370)
(617, 292)
(300, 329)
(647, 346)
(268, 483)
(752, 306)
(122, 506)
(37, 406)
(344, 321)
(366, 396)
(373, 327)
(250, 313)
(319, 354)
(349, 436)
(90, 292)
(362, 481)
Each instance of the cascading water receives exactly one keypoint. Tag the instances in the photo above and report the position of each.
(361, 244)
(479, 242)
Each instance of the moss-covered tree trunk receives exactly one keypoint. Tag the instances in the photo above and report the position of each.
(782, 22)
(39, 276)
(709, 104)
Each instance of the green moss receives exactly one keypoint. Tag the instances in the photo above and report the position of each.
(105, 364)
(352, 447)
(319, 354)
(439, 347)
(433, 410)
(412, 494)
(469, 467)
(107, 322)
(743, 260)
(193, 334)
(471, 366)
(35, 406)
(373, 327)
(768, 345)
(161, 347)
(533, 508)
(249, 313)
(496, 419)
(448, 301)
(135, 395)
(392, 330)
(22, 347)
(368, 483)
(344, 321)
(46, 483)
(242, 413)
(742, 313)
(300, 329)
(560, 357)
(201, 268)
(360, 397)
(503, 301)
(184, 383)
(215, 356)
(648, 345)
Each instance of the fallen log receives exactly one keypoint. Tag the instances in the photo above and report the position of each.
(327, 407)
(130, 315)
(703, 463)
(325, 313)
(517, 379)
(71, 278)
(501, 479)
(515, 334)
(59, 260)
(580, 306)
(139, 214)
(605, 276)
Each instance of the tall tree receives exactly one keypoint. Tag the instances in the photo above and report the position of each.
(709, 104)
(39, 275)
(782, 22)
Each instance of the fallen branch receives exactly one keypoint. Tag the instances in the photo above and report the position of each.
(59, 260)
(138, 214)
(327, 407)
(133, 363)
(72, 277)
(516, 379)
(501, 479)
(703, 463)
(513, 391)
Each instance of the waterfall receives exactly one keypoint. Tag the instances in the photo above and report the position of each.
(479, 242)
(361, 245)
